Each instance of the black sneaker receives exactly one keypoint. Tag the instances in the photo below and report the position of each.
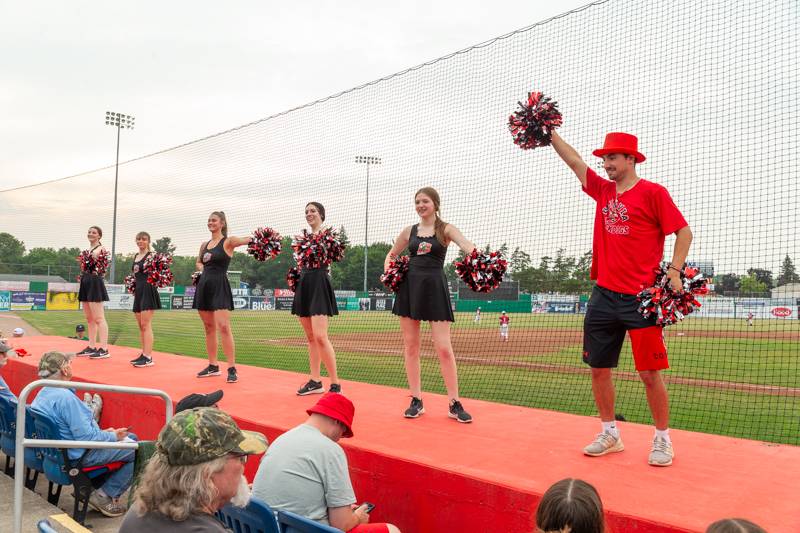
(457, 411)
(335, 387)
(312, 387)
(100, 353)
(207, 372)
(415, 409)
(138, 358)
(143, 361)
(232, 377)
(86, 351)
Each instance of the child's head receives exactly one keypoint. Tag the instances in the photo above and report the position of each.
(570, 505)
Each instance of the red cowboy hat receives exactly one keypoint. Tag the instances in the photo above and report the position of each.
(620, 143)
(336, 406)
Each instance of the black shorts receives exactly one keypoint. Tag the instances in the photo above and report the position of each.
(609, 315)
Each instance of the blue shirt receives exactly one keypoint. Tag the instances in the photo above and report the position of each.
(73, 417)
(5, 392)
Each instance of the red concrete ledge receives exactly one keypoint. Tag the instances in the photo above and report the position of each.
(435, 475)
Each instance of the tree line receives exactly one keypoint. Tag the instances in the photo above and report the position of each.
(560, 273)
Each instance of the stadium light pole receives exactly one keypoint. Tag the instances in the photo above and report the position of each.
(119, 121)
(367, 160)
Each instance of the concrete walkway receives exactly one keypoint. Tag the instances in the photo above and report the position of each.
(35, 507)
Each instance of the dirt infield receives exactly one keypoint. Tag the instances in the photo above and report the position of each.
(467, 343)
(483, 347)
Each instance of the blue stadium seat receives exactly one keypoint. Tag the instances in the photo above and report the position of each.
(45, 527)
(257, 517)
(8, 433)
(293, 523)
(60, 470)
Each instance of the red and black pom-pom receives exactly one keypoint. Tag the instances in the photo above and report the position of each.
(266, 244)
(130, 283)
(482, 272)
(158, 268)
(94, 264)
(669, 306)
(317, 250)
(396, 273)
(533, 123)
(196, 277)
(292, 277)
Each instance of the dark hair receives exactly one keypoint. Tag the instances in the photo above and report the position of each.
(99, 231)
(734, 525)
(320, 208)
(221, 216)
(439, 225)
(570, 503)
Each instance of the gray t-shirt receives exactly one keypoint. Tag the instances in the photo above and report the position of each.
(196, 523)
(304, 472)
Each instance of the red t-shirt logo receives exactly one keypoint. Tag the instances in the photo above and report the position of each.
(613, 213)
(424, 248)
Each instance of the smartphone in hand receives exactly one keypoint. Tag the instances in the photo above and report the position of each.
(368, 507)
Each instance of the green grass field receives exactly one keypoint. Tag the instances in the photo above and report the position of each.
(730, 363)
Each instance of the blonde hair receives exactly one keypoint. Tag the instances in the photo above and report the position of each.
(221, 216)
(177, 491)
(439, 225)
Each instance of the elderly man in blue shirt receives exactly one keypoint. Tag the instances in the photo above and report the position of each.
(75, 422)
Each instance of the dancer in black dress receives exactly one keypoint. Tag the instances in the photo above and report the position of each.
(145, 301)
(213, 298)
(314, 301)
(92, 294)
(424, 295)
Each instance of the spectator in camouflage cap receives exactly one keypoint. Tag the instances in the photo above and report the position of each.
(5, 351)
(197, 469)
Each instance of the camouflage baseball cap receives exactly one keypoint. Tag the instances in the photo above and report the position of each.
(5, 348)
(203, 434)
(52, 363)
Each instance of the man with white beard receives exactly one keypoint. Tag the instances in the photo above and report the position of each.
(197, 469)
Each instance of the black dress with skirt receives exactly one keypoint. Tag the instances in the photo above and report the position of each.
(314, 294)
(213, 289)
(424, 294)
(145, 296)
(92, 287)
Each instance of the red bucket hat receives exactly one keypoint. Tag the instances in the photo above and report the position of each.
(336, 406)
(620, 143)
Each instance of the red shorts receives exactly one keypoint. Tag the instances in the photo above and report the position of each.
(370, 528)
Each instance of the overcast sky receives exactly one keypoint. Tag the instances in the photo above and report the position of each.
(186, 70)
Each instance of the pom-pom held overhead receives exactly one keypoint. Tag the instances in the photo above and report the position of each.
(292, 277)
(396, 273)
(157, 266)
(196, 277)
(130, 283)
(317, 250)
(533, 123)
(94, 264)
(665, 303)
(482, 272)
(265, 245)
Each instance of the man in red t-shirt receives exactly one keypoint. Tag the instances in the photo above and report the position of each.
(504, 320)
(632, 219)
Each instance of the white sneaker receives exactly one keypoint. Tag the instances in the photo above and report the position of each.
(604, 443)
(662, 453)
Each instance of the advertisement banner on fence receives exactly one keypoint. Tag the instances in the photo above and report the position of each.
(119, 300)
(62, 301)
(28, 301)
(166, 298)
(261, 303)
(62, 287)
(282, 293)
(5, 301)
(381, 304)
(783, 311)
(182, 302)
(241, 302)
(283, 302)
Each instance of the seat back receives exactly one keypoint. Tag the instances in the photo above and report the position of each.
(294, 523)
(8, 413)
(257, 517)
(52, 458)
